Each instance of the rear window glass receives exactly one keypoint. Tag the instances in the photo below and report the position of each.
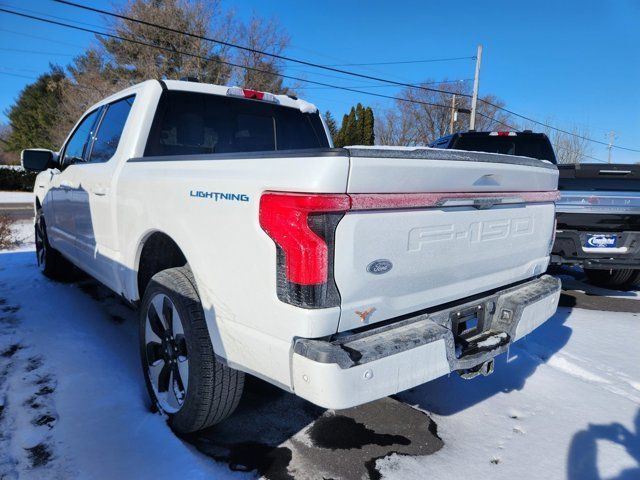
(188, 123)
(522, 145)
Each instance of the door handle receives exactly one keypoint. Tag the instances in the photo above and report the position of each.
(100, 191)
(66, 184)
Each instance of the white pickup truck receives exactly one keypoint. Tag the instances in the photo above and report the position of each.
(252, 245)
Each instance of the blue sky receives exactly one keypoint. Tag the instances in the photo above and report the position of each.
(569, 63)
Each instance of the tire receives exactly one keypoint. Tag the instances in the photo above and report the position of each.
(212, 390)
(50, 261)
(616, 279)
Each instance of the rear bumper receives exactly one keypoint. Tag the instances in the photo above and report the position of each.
(569, 249)
(360, 367)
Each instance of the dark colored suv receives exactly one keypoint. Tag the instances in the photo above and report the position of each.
(524, 144)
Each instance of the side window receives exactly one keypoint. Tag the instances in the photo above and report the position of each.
(110, 130)
(76, 148)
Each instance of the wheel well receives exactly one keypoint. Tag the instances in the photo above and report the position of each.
(158, 253)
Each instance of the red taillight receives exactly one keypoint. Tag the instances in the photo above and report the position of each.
(285, 218)
(503, 134)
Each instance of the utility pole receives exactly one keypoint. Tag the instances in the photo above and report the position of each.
(476, 84)
(454, 113)
(612, 137)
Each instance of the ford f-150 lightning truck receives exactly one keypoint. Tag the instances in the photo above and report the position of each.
(251, 245)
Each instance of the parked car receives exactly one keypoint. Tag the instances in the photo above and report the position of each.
(252, 245)
(598, 212)
(599, 223)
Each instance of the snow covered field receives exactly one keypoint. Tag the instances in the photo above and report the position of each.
(564, 404)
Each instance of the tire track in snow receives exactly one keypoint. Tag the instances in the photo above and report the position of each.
(581, 369)
(27, 409)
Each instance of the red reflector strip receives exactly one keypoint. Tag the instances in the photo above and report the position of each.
(368, 201)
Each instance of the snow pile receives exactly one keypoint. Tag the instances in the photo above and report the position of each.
(306, 107)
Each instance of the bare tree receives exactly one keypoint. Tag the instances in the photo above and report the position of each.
(7, 157)
(419, 116)
(570, 148)
(266, 36)
(113, 64)
(166, 57)
(90, 78)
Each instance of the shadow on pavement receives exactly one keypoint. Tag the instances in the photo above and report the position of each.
(451, 394)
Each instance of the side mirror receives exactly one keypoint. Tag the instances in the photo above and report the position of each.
(38, 159)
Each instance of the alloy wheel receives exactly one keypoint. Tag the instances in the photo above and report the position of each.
(167, 358)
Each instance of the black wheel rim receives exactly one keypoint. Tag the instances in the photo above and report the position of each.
(167, 361)
(41, 249)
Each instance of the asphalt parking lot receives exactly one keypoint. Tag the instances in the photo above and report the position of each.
(17, 211)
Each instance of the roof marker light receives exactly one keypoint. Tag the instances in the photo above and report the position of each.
(252, 94)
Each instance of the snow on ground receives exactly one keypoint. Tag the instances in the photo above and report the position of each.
(23, 234)
(16, 197)
(564, 404)
(71, 389)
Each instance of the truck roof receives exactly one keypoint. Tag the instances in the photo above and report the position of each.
(211, 89)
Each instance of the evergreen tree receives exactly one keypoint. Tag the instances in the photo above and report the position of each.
(350, 134)
(369, 127)
(35, 112)
(331, 125)
(357, 127)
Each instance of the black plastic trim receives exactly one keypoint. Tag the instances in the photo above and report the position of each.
(307, 152)
(450, 155)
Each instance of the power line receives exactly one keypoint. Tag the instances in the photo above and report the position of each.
(18, 75)
(248, 49)
(213, 59)
(393, 86)
(27, 10)
(46, 39)
(551, 127)
(405, 62)
(34, 52)
(289, 59)
(328, 67)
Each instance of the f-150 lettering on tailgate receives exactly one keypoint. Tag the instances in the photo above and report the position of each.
(498, 229)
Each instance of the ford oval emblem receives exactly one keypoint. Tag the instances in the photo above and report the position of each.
(378, 267)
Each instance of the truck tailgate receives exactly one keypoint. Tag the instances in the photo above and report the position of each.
(486, 228)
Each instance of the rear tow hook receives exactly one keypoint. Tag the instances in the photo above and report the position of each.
(483, 369)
